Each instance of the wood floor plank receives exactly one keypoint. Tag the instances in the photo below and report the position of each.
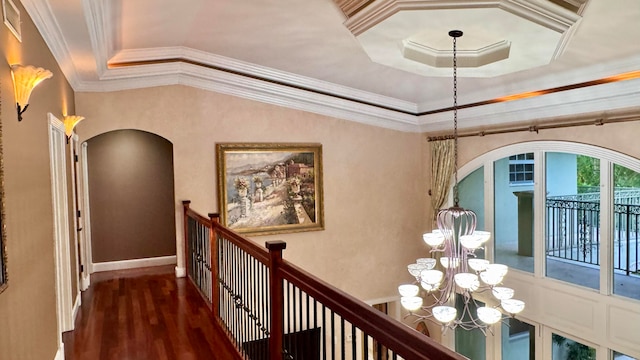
(144, 314)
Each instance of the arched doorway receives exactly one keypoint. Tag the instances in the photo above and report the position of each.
(131, 195)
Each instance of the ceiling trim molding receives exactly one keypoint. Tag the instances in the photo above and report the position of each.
(545, 14)
(100, 30)
(232, 84)
(605, 97)
(217, 62)
(42, 16)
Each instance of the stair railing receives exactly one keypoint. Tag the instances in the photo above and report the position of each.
(271, 309)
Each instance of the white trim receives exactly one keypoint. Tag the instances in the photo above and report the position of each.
(86, 225)
(181, 272)
(134, 263)
(7, 7)
(60, 352)
(73, 144)
(43, 18)
(85, 280)
(58, 168)
(76, 307)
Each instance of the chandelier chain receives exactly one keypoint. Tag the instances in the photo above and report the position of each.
(455, 123)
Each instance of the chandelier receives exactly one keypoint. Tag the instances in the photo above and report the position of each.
(462, 273)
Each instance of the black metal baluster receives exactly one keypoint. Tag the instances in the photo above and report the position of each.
(296, 319)
(333, 336)
(365, 342)
(324, 332)
(308, 323)
(287, 311)
(343, 339)
(635, 221)
(628, 228)
(353, 342)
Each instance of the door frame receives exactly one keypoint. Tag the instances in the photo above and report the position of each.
(58, 168)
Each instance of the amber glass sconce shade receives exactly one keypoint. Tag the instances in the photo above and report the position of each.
(70, 122)
(25, 78)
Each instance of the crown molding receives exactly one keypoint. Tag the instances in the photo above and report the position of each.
(42, 16)
(545, 14)
(250, 88)
(252, 70)
(610, 97)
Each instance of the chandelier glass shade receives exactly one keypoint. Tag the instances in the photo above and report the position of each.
(454, 269)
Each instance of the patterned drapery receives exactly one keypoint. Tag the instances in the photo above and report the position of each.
(442, 167)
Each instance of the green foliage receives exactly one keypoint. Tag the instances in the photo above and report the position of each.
(588, 171)
(624, 177)
(589, 174)
(575, 350)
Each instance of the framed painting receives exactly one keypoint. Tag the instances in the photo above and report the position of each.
(270, 188)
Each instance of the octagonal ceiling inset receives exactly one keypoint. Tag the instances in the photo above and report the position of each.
(500, 37)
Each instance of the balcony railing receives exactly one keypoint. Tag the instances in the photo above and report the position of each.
(573, 229)
(271, 309)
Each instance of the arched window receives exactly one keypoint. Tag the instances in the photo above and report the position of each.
(571, 236)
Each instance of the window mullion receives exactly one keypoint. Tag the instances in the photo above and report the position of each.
(606, 226)
(539, 198)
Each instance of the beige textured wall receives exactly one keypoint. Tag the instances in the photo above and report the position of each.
(28, 306)
(374, 190)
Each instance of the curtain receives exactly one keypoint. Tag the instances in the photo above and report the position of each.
(442, 167)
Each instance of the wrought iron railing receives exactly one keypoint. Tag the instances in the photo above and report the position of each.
(271, 309)
(573, 231)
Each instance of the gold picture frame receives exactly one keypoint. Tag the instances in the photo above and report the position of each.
(270, 188)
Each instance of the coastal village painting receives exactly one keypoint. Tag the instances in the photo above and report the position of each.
(270, 188)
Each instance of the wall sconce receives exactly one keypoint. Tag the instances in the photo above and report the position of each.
(70, 122)
(25, 78)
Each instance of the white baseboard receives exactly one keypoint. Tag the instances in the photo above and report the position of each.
(60, 352)
(181, 272)
(85, 281)
(76, 308)
(134, 263)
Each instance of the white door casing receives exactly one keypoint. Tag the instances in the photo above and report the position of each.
(64, 298)
(86, 215)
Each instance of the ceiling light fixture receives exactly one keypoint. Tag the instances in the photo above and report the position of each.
(464, 274)
(25, 78)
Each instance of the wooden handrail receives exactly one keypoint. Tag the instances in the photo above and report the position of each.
(393, 334)
(248, 246)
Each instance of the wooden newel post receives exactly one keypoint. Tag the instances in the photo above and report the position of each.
(277, 299)
(215, 272)
(185, 229)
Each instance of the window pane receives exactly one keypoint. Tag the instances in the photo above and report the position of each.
(567, 349)
(572, 221)
(513, 207)
(621, 356)
(518, 340)
(470, 343)
(626, 232)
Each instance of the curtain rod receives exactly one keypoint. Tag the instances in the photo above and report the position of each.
(537, 128)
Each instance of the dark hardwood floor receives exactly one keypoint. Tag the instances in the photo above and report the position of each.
(144, 314)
